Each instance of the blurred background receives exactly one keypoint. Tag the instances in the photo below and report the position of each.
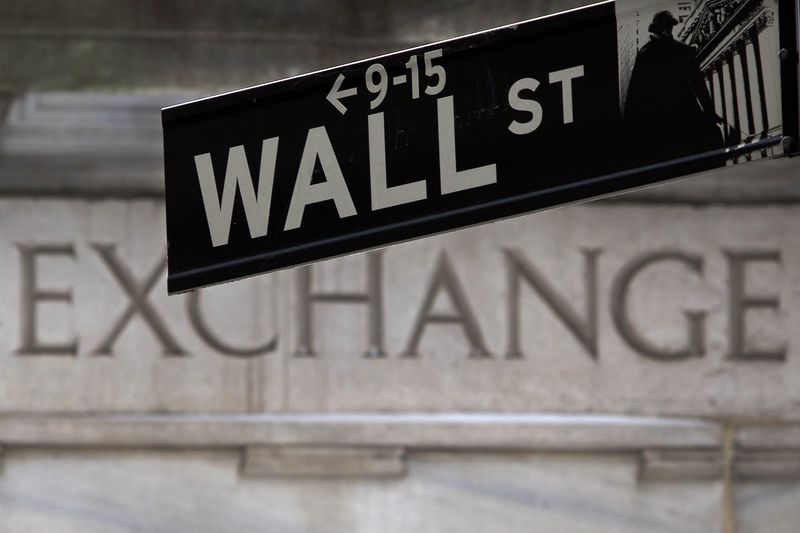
(624, 365)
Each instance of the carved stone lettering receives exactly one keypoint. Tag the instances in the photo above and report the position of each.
(137, 294)
(196, 319)
(372, 298)
(444, 278)
(695, 320)
(585, 330)
(741, 302)
(31, 295)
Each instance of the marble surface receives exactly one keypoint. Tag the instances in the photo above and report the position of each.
(71, 270)
(200, 491)
(137, 437)
(768, 507)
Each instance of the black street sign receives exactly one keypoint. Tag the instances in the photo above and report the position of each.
(537, 114)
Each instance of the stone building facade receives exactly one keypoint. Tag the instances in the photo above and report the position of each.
(629, 364)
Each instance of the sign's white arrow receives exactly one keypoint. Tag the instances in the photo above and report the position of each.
(337, 92)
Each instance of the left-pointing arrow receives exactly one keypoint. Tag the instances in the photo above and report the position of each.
(337, 93)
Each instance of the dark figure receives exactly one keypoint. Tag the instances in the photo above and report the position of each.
(668, 110)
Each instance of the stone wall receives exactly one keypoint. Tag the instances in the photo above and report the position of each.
(624, 365)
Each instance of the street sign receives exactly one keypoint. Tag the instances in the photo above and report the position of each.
(546, 112)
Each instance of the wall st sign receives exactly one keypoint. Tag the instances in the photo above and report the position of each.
(486, 126)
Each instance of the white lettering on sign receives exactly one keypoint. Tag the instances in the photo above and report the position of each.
(434, 71)
(518, 103)
(337, 93)
(528, 105)
(318, 146)
(380, 87)
(454, 180)
(382, 195)
(377, 81)
(237, 174)
(565, 77)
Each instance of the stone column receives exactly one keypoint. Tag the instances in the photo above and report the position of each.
(762, 93)
(748, 96)
(709, 75)
(729, 58)
(721, 77)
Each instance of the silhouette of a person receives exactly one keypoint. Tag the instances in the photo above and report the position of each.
(668, 110)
